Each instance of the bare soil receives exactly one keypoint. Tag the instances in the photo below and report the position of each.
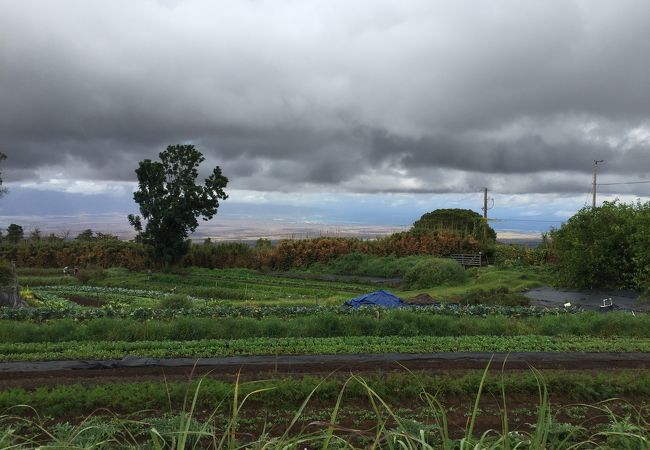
(354, 421)
(422, 299)
(86, 301)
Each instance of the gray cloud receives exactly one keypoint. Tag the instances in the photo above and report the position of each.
(327, 95)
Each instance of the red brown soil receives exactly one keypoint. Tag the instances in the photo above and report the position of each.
(521, 412)
(86, 301)
(298, 367)
(422, 299)
(352, 423)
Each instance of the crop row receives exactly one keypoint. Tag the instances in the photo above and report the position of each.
(64, 400)
(236, 278)
(314, 346)
(215, 291)
(323, 324)
(143, 313)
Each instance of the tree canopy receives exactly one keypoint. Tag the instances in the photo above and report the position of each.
(15, 233)
(605, 247)
(86, 235)
(460, 221)
(171, 201)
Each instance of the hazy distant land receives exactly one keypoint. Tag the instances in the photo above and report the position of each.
(226, 228)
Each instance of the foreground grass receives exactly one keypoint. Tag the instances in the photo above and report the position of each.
(214, 415)
(73, 350)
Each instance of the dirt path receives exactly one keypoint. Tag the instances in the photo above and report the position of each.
(33, 374)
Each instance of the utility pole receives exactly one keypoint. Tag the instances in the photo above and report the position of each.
(593, 190)
(485, 210)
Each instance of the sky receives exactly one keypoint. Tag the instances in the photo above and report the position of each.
(366, 112)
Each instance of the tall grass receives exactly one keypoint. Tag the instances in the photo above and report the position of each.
(202, 429)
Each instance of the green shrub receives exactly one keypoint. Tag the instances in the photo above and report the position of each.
(175, 301)
(434, 272)
(347, 264)
(605, 247)
(389, 266)
(365, 265)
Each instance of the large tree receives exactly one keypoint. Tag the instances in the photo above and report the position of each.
(460, 221)
(605, 247)
(15, 233)
(171, 201)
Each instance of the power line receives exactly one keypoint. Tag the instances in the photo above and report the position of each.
(526, 220)
(616, 157)
(627, 182)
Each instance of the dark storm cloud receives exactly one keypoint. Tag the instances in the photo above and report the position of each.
(525, 154)
(365, 97)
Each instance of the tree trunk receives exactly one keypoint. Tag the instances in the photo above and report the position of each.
(10, 298)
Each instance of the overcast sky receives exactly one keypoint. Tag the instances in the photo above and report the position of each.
(345, 101)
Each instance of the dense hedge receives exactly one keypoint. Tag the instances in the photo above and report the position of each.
(301, 253)
(435, 272)
(105, 253)
(287, 254)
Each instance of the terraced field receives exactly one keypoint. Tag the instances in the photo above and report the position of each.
(115, 333)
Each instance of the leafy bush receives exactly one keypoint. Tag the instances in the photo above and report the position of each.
(434, 272)
(346, 264)
(389, 266)
(370, 265)
(175, 301)
(513, 255)
(605, 247)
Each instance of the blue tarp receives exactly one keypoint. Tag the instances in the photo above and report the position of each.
(378, 298)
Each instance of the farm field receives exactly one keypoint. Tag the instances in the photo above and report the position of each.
(237, 287)
(117, 318)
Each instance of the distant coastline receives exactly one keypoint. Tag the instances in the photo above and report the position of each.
(230, 228)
